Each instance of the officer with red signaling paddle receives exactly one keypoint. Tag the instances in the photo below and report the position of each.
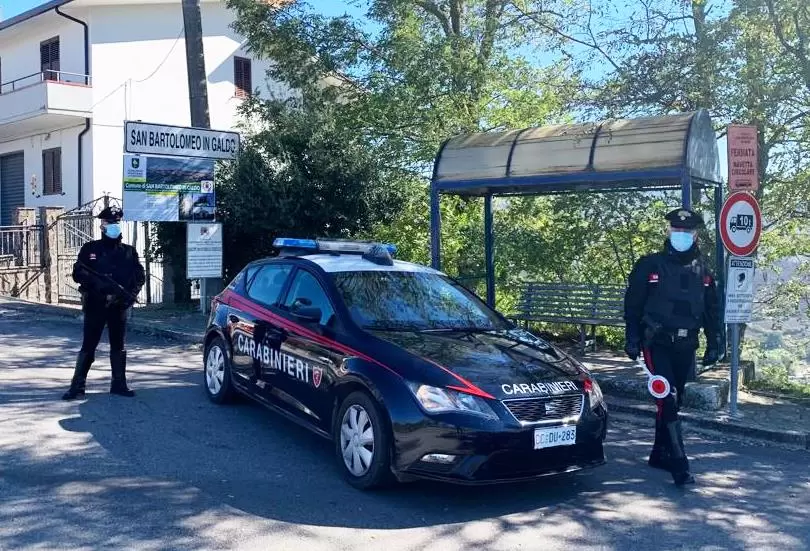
(671, 295)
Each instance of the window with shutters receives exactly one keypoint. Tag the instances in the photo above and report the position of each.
(242, 77)
(52, 171)
(49, 58)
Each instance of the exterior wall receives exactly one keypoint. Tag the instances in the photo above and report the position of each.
(19, 58)
(139, 73)
(19, 46)
(32, 148)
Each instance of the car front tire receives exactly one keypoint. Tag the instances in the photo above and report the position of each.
(217, 371)
(363, 442)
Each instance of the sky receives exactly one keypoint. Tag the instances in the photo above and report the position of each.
(10, 8)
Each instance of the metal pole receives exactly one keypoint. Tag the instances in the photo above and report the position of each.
(148, 264)
(435, 230)
(735, 366)
(720, 269)
(489, 251)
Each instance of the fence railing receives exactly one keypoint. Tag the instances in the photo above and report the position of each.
(21, 246)
(43, 76)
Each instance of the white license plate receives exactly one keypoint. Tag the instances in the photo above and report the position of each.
(555, 436)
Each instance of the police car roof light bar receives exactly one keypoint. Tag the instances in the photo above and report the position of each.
(331, 245)
(282, 242)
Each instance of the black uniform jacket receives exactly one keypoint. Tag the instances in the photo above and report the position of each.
(113, 258)
(649, 271)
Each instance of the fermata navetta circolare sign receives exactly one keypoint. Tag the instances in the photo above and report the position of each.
(179, 141)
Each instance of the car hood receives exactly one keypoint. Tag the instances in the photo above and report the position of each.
(505, 364)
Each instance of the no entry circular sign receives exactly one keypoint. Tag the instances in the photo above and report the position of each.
(740, 224)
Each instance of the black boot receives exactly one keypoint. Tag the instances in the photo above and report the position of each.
(679, 464)
(659, 458)
(83, 363)
(118, 364)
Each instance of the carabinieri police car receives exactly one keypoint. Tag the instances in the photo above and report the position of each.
(407, 372)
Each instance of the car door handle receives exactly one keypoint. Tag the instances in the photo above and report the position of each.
(233, 319)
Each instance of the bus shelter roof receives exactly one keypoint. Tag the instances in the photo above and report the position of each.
(652, 153)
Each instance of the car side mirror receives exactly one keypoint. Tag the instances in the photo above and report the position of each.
(310, 314)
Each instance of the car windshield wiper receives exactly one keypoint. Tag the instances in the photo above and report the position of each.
(458, 330)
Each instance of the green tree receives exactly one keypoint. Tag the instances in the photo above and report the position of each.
(430, 71)
(299, 175)
(747, 62)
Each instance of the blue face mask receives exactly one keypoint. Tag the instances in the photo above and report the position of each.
(681, 241)
(113, 231)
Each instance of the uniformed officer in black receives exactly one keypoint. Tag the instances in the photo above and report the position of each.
(670, 296)
(110, 276)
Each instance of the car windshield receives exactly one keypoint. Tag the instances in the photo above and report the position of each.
(412, 301)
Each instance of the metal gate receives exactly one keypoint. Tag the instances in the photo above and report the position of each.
(74, 228)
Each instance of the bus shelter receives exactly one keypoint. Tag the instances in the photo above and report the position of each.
(670, 152)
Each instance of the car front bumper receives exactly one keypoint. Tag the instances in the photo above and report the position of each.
(494, 452)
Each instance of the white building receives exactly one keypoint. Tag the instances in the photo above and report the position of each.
(71, 72)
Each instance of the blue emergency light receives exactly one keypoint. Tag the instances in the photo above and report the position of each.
(331, 245)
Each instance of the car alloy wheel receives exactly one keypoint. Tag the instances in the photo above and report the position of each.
(357, 440)
(217, 370)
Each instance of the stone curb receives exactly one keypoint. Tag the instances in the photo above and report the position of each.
(795, 438)
(702, 395)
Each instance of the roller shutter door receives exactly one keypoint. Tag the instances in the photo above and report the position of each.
(12, 186)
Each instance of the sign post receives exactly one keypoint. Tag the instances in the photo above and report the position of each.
(743, 166)
(203, 250)
(740, 229)
(169, 177)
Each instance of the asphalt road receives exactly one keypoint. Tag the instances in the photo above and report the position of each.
(170, 470)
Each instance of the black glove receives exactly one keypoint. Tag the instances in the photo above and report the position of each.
(711, 356)
(632, 350)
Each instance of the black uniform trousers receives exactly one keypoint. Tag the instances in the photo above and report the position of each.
(95, 319)
(672, 361)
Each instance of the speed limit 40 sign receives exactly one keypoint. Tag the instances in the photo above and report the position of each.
(740, 224)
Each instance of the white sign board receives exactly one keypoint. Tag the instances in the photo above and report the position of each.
(203, 250)
(180, 141)
(739, 290)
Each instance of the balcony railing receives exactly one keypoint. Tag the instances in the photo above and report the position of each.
(63, 77)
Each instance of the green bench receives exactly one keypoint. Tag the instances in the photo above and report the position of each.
(570, 303)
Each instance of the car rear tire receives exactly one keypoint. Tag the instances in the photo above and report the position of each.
(217, 371)
(363, 442)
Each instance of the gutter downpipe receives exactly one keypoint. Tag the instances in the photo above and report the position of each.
(86, 82)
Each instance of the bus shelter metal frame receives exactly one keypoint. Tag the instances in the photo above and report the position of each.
(694, 168)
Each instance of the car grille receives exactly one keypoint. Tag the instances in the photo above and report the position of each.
(536, 410)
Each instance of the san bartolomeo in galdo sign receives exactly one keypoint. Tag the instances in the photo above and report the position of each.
(156, 139)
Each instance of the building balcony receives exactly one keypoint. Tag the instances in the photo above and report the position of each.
(43, 102)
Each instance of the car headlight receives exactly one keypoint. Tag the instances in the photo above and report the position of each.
(595, 392)
(441, 400)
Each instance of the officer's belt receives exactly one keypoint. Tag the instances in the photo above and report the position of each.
(674, 335)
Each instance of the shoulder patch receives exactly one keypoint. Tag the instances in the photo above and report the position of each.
(707, 280)
(653, 278)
